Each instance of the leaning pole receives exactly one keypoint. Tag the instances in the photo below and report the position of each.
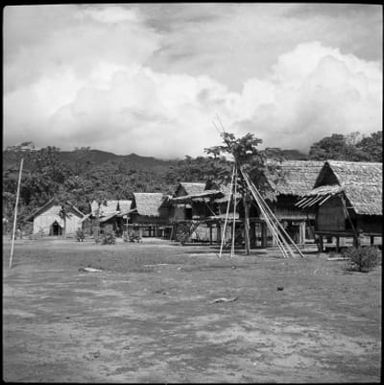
(15, 217)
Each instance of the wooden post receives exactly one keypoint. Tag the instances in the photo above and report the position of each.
(372, 240)
(337, 244)
(15, 217)
(246, 225)
(263, 235)
(210, 233)
(252, 239)
(321, 244)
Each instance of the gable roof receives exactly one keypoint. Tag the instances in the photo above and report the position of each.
(298, 177)
(360, 181)
(106, 208)
(53, 202)
(124, 205)
(148, 204)
(191, 188)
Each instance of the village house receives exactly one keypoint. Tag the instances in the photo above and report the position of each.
(199, 211)
(49, 219)
(208, 206)
(292, 180)
(149, 215)
(110, 215)
(348, 200)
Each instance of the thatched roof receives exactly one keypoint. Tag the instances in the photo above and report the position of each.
(106, 208)
(125, 205)
(192, 188)
(297, 177)
(148, 204)
(361, 183)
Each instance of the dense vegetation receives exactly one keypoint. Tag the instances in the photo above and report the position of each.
(85, 174)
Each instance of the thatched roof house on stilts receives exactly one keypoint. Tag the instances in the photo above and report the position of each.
(295, 178)
(199, 211)
(348, 201)
(149, 214)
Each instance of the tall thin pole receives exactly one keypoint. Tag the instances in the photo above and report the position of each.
(226, 214)
(15, 217)
(234, 215)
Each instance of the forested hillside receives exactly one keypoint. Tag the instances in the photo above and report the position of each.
(86, 174)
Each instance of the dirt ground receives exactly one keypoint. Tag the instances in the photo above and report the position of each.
(148, 315)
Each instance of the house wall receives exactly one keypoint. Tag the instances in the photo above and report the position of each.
(44, 221)
(330, 216)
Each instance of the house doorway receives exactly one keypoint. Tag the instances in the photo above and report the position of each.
(55, 229)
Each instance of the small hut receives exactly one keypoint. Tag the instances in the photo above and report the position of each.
(149, 214)
(348, 201)
(49, 220)
(111, 215)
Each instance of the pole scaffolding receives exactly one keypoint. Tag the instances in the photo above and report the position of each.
(15, 217)
(226, 214)
(234, 215)
(276, 226)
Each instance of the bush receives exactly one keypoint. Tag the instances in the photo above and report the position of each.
(80, 235)
(107, 238)
(361, 259)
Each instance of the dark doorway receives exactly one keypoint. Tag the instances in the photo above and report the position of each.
(55, 229)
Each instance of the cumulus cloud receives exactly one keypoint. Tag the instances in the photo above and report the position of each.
(312, 92)
(90, 82)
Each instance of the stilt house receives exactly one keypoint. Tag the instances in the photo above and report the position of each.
(348, 200)
(200, 210)
(295, 179)
(149, 214)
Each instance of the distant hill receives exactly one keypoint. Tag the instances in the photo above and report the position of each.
(294, 155)
(131, 161)
(97, 158)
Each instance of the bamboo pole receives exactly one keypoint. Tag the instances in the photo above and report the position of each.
(280, 226)
(226, 214)
(15, 217)
(234, 215)
(272, 215)
(272, 227)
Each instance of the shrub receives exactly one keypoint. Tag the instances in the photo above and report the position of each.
(80, 235)
(108, 238)
(361, 259)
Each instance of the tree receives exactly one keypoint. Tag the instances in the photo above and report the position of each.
(330, 147)
(372, 146)
(352, 147)
(248, 157)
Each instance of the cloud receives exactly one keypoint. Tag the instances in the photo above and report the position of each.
(124, 80)
(313, 91)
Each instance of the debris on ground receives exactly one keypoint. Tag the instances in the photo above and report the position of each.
(223, 299)
(280, 288)
(89, 270)
(338, 259)
(161, 291)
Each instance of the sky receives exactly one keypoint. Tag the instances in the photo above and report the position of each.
(156, 79)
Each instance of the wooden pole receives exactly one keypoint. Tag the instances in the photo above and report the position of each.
(15, 217)
(226, 214)
(234, 216)
(246, 225)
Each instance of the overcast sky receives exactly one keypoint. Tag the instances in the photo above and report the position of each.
(150, 78)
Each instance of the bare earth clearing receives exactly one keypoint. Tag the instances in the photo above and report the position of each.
(148, 316)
